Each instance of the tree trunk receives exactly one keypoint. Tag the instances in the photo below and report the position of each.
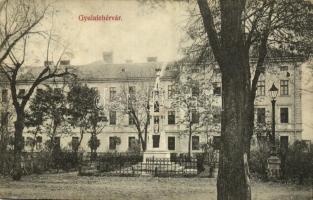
(189, 141)
(81, 137)
(145, 142)
(18, 146)
(142, 141)
(233, 177)
(249, 126)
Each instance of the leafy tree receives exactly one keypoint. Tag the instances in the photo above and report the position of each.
(97, 122)
(93, 144)
(47, 114)
(85, 113)
(233, 32)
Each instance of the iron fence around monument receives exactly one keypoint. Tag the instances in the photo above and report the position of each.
(174, 167)
(124, 164)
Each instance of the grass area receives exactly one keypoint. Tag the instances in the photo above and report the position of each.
(71, 186)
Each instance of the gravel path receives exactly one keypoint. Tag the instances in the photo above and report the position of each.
(71, 186)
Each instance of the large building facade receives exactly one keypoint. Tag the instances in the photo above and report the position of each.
(112, 79)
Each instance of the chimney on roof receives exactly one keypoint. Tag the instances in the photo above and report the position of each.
(129, 61)
(107, 57)
(152, 59)
(65, 62)
(48, 63)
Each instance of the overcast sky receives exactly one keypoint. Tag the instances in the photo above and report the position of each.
(140, 33)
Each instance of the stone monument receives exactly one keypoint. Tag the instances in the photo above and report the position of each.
(156, 141)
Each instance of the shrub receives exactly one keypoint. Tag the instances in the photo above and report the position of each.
(258, 162)
(298, 163)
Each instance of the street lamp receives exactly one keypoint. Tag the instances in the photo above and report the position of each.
(273, 94)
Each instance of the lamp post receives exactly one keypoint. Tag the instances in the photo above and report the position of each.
(273, 91)
(273, 162)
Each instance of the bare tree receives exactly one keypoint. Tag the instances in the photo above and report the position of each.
(134, 101)
(21, 20)
(194, 96)
(18, 20)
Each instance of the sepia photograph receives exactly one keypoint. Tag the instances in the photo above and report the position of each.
(156, 99)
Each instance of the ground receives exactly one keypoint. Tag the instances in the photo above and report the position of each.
(71, 186)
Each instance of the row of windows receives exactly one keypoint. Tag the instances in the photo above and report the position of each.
(284, 88)
(171, 118)
(171, 142)
(21, 93)
(195, 90)
(284, 115)
(132, 142)
(261, 90)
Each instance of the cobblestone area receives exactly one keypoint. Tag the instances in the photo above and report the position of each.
(71, 186)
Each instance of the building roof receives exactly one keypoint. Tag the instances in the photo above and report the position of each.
(101, 71)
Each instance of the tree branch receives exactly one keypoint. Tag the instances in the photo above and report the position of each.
(210, 29)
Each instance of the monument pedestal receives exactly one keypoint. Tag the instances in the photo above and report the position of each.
(159, 151)
(157, 154)
(273, 167)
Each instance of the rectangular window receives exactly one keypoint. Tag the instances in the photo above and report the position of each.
(284, 88)
(132, 90)
(170, 91)
(217, 89)
(39, 90)
(261, 88)
(112, 143)
(284, 143)
(56, 142)
(112, 115)
(260, 115)
(75, 142)
(21, 93)
(217, 142)
(171, 143)
(39, 139)
(284, 115)
(131, 142)
(131, 120)
(4, 119)
(195, 91)
(195, 116)
(171, 117)
(195, 143)
(112, 93)
(156, 141)
(4, 96)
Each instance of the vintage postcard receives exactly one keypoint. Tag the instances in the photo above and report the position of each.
(156, 99)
